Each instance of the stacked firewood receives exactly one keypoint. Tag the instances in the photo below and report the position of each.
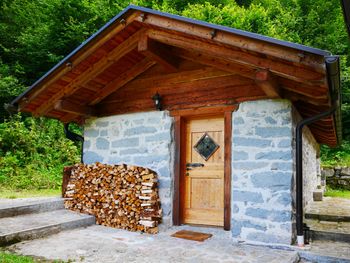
(120, 196)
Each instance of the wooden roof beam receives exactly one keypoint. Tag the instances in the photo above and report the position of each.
(93, 71)
(268, 83)
(71, 107)
(122, 79)
(279, 68)
(254, 45)
(79, 57)
(158, 52)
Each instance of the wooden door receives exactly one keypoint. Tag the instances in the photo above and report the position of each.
(203, 200)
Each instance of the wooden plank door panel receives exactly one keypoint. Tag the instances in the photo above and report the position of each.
(204, 186)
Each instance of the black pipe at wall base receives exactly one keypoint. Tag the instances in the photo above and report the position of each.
(332, 65)
(75, 138)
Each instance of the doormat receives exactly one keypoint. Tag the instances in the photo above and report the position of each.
(191, 235)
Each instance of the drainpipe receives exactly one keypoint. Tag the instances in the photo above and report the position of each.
(75, 138)
(332, 66)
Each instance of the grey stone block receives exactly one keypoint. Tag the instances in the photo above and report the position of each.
(133, 151)
(92, 133)
(239, 155)
(318, 195)
(282, 166)
(138, 122)
(149, 160)
(139, 130)
(273, 132)
(268, 238)
(285, 143)
(251, 142)
(103, 133)
(102, 144)
(164, 183)
(249, 165)
(270, 120)
(258, 212)
(238, 121)
(87, 144)
(127, 142)
(247, 196)
(164, 136)
(102, 124)
(236, 228)
(164, 171)
(327, 172)
(119, 160)
(273, 215)
(285, 199)
(92, 157)
(274, 155)
(272, 180)
(248, 224)
(235, 209)
(153, 120)
(345, 171)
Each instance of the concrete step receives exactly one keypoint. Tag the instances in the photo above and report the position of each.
(330, 209)
(32, 226)
(329, 230)
(327, 217)
(15, 207)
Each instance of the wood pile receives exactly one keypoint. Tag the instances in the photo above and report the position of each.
(120, 196)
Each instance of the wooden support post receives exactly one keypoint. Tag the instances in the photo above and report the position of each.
(227, 169)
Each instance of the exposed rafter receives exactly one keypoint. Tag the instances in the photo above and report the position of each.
(268, 83)
(68, 106)
(93, 71)
(158, 52)
(122, 79)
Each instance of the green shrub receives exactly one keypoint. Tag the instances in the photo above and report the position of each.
(33, 152)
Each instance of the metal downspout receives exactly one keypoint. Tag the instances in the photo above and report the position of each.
(75, 138)
(332, 66)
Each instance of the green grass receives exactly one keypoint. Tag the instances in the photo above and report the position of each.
(337, 193)
(13, 194)
(7, 257)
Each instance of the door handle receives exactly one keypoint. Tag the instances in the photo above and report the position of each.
(194, 165)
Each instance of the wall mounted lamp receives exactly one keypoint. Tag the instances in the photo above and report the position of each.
(157, 99)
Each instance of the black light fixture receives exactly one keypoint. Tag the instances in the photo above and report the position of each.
(157, 101)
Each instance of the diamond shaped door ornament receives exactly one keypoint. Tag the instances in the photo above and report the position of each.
(206, 146)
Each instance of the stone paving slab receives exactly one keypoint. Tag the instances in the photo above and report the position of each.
(101, 244)
(325, 251)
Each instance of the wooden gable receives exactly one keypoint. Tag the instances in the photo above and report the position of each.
(189, 63)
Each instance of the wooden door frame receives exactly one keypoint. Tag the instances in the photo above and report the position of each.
(179, 161)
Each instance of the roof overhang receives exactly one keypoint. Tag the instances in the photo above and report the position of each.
(89, 79)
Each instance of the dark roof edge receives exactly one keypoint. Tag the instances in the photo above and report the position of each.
(271, 40)
(333, 76)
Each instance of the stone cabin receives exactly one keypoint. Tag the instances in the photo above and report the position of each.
(213, 110)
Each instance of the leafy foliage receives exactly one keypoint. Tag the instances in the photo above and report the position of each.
(36, 34)
(33, 153)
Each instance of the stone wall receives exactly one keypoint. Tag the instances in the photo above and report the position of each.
(338, 177)
(311, 161)
(262, 172)
(142, 139)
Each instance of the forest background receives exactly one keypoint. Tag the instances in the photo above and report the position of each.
(36, 34)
